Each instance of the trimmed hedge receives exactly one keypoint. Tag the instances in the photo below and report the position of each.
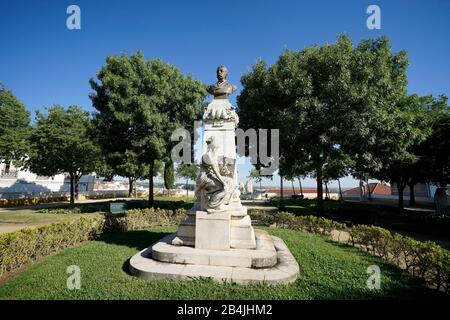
(286, 220)
(22, 247)
(425, 260)
(69, 210)
(30, 201)
(136, 219)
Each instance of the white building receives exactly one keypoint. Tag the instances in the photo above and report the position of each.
(20, 183)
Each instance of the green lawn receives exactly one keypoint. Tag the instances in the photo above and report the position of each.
(328, 271)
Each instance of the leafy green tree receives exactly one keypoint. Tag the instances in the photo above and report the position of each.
(426, 157)
(14, 127)
(140, 103)
(324, 100)
(188, 172)
(61, 142)
(169, 175)
(436, 148)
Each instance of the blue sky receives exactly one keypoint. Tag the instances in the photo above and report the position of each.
(44, 63)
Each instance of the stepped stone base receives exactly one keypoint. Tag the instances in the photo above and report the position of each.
(270, 263)
(230, 229)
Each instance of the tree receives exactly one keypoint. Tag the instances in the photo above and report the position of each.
(169, 175)
(140, 103)
(188, 172)
(408, 127)
(436, 148)
(324, 101)
(14, 128)
(61, 142)
(428, 153)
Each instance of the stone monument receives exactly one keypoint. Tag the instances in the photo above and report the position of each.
(217, 239)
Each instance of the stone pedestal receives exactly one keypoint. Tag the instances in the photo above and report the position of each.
(212, 231)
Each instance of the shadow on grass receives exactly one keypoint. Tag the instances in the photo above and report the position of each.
(139, 240)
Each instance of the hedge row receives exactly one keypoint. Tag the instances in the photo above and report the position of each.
(425, 260)
(287, 220)
(137, 219)
(30, 201)
(22, 247)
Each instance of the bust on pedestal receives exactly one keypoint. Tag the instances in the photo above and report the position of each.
(218, 220)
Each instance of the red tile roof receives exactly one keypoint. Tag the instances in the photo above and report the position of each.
(375, 188)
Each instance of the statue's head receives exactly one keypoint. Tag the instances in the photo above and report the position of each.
(222, 73)
(211, 144)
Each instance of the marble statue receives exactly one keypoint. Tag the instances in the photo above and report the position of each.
(214, 186)
(218, 220)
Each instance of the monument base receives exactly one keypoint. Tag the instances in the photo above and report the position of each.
(230, 229)
(270, 263)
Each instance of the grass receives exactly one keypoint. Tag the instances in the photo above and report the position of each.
(31, 216)
(328, 271)
(385, 216)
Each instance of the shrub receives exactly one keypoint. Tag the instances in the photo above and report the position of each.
(136, 219)
(425, 260)
(60, 210)
(27, 245)
(261, 217)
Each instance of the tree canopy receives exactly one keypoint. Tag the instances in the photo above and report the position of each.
(333, 105)
(14, 128)
(61, 142)
(140, 103)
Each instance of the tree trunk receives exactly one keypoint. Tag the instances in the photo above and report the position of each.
(130, 186)
(412, 195)
(340, 190)
(369, 192)
(327, 193)
(187, 188)
(260, 186)
(300, 184)
(319, 180)
(151, 201)
(72, 190)
(293, 189)
(400, 188)
(281, 186)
